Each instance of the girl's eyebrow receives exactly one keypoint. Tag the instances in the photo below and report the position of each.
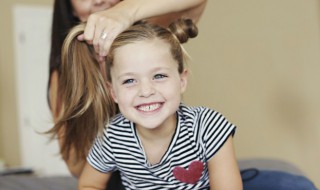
(156, 69)
(161, 68)
(125, 74)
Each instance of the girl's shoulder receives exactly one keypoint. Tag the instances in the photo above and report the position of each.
(195, 111)
(202, 116)
(118, 122)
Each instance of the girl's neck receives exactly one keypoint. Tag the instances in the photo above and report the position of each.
(166, 129)
(156, 141)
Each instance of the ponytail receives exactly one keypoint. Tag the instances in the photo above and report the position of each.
(86, 102)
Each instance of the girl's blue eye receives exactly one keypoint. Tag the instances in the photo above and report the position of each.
(160, 76)
(128, 81)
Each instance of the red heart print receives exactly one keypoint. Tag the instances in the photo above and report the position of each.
(191, 175)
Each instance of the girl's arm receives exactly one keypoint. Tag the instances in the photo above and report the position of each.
(92, 179)
(223, 169)
(118, 18)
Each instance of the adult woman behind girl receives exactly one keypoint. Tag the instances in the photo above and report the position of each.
(103, 17)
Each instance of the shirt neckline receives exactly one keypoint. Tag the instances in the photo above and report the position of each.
(171, 145)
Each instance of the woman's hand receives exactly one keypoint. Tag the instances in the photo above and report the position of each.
(104, 26)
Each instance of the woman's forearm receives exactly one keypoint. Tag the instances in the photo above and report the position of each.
(142, 9)
(75, 165)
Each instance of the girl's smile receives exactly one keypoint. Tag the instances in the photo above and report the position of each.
(147, 108)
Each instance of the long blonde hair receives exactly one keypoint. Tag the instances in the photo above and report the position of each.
(87, 104)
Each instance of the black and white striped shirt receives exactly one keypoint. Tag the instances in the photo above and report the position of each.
(200, 133)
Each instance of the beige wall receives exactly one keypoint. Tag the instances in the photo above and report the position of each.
(9, 139)
(257, 62)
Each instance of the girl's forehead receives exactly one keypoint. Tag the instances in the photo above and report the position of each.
(151, 46)
(143, 55)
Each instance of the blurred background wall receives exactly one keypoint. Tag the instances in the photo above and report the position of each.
(257, 62)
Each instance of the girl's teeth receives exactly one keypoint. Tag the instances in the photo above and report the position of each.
(149, 107)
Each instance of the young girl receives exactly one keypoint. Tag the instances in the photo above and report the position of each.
(156, 142)
(105, 20)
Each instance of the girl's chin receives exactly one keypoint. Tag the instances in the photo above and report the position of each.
(148, 125)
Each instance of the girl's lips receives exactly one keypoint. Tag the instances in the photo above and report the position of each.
(149, 107)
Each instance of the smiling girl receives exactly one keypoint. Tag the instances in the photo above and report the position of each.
(156, 142)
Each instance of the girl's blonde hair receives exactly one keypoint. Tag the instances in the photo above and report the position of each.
(87, 104)
(177, 33)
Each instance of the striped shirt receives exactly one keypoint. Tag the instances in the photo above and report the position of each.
(199, 134)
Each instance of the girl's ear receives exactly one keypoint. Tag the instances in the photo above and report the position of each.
(113, 95)
(184, 80)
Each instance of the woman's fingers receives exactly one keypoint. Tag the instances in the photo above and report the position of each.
(105, 44)
(103, 27)
(90, 28)
(80, 37)
(95, 32)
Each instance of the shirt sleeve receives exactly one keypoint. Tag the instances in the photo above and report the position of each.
(100, 155)
(216, 129)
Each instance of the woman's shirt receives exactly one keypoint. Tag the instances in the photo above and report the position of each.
(199, 134)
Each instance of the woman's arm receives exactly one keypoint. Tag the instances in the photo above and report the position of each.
(193, 13)
(92, 179)
(53, 95)
(143, 9)
(223, 169)
(118, 18)
(75, 165)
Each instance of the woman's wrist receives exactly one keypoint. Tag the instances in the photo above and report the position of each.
(144, 9)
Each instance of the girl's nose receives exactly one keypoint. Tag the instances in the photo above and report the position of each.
(98, 2)
(146, 89)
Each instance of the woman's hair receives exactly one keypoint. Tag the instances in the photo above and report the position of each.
(63, 20)
(87, 104)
